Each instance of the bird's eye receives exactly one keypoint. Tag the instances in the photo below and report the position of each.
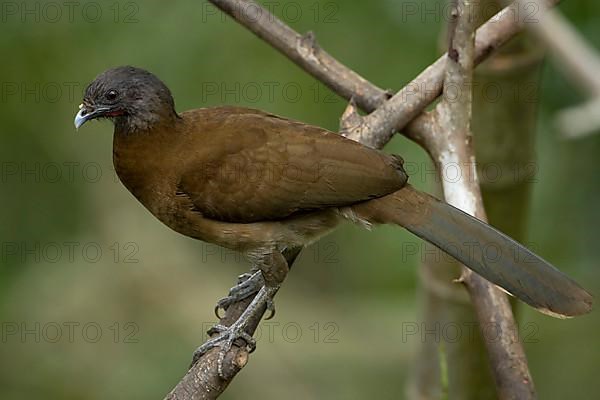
(111, 95)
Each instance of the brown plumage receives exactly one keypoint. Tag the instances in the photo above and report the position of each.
(258, 183)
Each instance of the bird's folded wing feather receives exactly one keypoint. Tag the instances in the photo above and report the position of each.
(258, 167)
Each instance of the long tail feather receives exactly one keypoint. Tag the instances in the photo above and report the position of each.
(485, 250)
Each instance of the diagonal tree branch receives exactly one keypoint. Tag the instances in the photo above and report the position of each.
(202, 380)
(304, 51)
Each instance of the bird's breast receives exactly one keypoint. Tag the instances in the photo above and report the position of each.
(139, 167)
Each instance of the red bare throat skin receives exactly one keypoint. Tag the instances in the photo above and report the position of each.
(115, 113)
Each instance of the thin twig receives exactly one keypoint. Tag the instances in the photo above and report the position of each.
(580, 120)
(578, 59)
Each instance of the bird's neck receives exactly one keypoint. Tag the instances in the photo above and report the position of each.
(164, 119)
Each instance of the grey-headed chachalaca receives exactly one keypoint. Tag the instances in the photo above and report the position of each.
(264, 185)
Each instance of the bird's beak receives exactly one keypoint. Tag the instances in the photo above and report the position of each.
(85, 114)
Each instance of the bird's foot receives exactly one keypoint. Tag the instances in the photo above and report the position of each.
(248, 284)
(225, 339)
(236, 333)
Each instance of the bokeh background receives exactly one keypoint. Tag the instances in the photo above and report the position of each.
(99, 300)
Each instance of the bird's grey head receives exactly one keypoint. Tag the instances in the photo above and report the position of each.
(133, 98)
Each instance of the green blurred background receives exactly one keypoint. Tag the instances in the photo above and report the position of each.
(99, 300)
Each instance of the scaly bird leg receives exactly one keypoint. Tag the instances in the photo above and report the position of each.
(273, 270)
(248, 284)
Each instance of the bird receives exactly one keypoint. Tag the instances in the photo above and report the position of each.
(266, 186)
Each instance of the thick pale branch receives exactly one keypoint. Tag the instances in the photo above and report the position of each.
(454, 146)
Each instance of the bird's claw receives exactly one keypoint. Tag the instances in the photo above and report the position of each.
(226, 338)
(270, 309)
(248, 285)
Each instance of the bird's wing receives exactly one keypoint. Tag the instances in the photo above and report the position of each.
(257, 167)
